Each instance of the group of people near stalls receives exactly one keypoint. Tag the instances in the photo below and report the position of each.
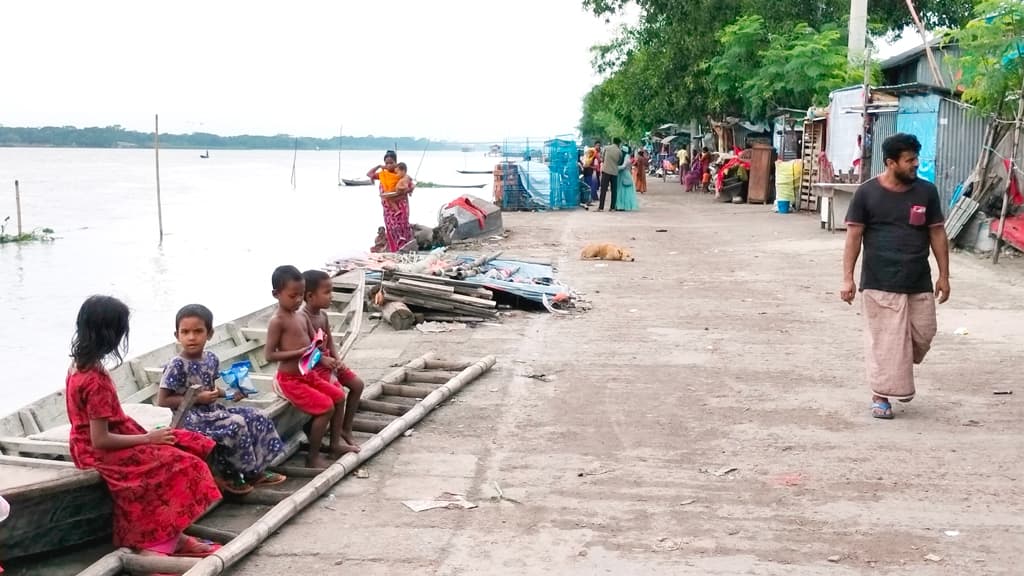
(615, 169)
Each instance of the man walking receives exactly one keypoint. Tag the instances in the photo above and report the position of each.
(897, 217)
(610, 160)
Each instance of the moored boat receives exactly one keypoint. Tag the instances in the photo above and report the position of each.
(363, 182)
(55, 505)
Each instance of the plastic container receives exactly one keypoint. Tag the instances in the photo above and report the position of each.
(782, 206)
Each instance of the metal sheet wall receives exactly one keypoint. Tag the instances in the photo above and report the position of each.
(883, 127)
(961, 137)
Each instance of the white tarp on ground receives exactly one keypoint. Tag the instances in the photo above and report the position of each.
(844, 126)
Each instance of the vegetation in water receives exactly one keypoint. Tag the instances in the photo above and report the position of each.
(37, 235)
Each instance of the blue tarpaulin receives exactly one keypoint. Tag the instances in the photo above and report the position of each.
(523, 279)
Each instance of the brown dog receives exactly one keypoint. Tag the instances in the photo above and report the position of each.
(606, 252)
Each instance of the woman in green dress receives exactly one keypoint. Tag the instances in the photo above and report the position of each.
(625, 195)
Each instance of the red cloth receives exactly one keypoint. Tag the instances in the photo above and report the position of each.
(1015, 195)
(313, 393)
(158, 490)
(468, 206)
(737, 161)
(342, 376)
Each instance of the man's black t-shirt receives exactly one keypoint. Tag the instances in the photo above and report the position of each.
(896, 239)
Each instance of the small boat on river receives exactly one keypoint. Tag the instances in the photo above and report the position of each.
(363, 182)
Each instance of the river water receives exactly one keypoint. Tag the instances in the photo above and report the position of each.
(228, 222)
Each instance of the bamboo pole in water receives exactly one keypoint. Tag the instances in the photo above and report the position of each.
(17, 201)
(253, 536)
(159, 202)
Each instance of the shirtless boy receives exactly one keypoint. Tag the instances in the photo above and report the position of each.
(287, 341)
(330, 367)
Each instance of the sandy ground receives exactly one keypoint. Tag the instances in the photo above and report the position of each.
(724, 345)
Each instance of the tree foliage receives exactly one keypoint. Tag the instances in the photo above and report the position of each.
(992, 57)
(698, 58)
(758, 71)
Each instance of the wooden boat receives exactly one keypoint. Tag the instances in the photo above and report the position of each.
(363, 182)
(55, 505)
(475, 171)
(206, 155)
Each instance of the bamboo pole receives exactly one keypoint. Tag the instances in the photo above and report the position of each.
(1014, 149)
(211, 533)
(382, 407)
(253, 536)
(429, 376)
(110, 565)
(159, 202)
(406, 391)
(139, 564)
(864, 153)
(17, 201)
(927, 48)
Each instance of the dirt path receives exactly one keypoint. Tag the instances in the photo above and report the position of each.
(723, 346)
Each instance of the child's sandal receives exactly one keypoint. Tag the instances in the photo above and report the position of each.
(270, 479)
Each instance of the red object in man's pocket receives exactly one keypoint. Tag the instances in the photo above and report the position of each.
(917, 215)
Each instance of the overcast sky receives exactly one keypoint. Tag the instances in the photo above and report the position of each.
(456, 69)
(475, 70)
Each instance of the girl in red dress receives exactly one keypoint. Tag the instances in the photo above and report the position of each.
(159, 480)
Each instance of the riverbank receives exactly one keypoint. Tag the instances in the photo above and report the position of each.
(724, 346)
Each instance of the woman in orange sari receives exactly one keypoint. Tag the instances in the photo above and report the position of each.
(395, 202)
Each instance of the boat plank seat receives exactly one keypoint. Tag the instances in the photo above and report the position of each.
(262, 333)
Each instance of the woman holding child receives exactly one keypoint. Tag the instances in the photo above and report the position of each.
(395, 188)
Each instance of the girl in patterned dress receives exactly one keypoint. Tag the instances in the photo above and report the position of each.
(246, 440)
(159, 480)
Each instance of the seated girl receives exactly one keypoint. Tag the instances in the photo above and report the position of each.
(246, 440)
(159, 480)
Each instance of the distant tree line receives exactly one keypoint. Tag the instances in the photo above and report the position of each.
(118, 137)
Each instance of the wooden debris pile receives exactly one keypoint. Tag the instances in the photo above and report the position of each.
(439, 298)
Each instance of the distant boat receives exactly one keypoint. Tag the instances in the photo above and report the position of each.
(206, 155)
(355, 182)
(467, 148)
(475, 171)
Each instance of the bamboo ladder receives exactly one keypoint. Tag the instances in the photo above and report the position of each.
(388, 408)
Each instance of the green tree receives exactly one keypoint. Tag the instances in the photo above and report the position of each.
(664, 61)
(992, 57)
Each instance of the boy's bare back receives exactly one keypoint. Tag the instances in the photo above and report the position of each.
(289, 331)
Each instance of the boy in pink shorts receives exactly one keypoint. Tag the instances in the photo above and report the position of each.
(330, 367)
(288, 340)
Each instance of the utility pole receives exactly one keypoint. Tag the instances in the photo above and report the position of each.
(858, 33)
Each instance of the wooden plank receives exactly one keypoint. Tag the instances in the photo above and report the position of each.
(432, 286)
(262, 333)
(146, 393)
(256, 359)
(25, 446)
(28, 421)
(186, 404)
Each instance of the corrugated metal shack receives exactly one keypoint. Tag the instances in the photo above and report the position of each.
(951, 135)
